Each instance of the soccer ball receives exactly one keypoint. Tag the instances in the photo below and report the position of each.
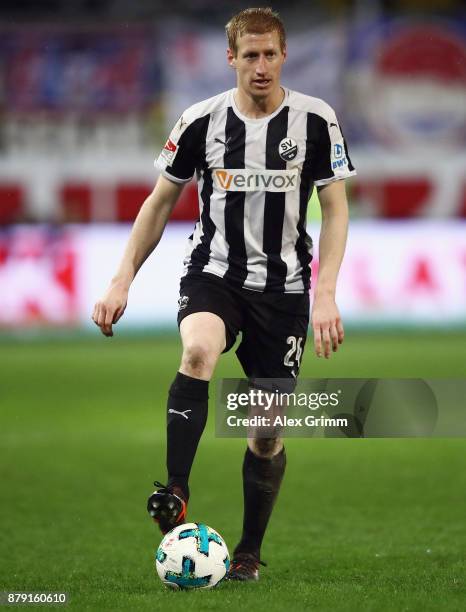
(192, 556)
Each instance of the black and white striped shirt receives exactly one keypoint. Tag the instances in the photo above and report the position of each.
(255, 177)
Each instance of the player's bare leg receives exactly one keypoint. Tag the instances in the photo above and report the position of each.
(203, 338)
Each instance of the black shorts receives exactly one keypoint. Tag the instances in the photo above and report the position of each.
(273, 325)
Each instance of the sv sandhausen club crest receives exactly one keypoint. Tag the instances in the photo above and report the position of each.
(288, 149)
(183, 302)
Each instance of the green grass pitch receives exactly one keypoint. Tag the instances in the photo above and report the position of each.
(359, 525)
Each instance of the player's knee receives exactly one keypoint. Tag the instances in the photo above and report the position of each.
(265, 447)
(198, 360)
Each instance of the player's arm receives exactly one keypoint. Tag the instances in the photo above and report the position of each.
(145, 235)
(326, 321)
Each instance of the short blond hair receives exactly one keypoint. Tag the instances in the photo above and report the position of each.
(254, 21)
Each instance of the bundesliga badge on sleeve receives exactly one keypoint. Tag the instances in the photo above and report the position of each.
(169, 151)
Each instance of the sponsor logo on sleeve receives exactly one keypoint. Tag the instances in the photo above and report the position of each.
(256, 180)
(339, 159)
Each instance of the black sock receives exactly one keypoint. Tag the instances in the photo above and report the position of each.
(261, 482)
(186, 418)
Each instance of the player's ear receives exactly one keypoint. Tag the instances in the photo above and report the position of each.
(231, 58)
(285, 54)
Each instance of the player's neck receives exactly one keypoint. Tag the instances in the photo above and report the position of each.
(255, 108)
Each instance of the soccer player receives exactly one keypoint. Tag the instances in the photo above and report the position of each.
(256, 150)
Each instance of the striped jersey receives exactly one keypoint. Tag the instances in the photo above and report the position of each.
(255, 177)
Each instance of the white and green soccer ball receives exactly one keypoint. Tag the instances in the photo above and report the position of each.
(192, 556)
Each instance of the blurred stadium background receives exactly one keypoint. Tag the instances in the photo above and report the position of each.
(89, 90)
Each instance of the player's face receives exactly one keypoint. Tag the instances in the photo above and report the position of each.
(258, 63)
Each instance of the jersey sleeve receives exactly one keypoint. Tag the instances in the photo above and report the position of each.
(332, 161)
(177, 160)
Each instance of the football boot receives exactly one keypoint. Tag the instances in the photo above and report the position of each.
(167, 506)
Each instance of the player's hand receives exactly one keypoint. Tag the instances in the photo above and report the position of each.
(327, 326)
(110, 308)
